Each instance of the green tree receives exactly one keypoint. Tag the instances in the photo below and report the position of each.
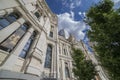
(83, 69)
(105, 31)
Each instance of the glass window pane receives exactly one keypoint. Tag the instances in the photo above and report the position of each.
(10, 42)
(27, 46)
(22, 54)
(25, 27)
(4, 22)
(67, 72)
(37, 14)
(48, 58)
(12, 17)
(51, 34)
(64, 52)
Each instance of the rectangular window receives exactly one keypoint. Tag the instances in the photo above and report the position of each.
(12, 17)
(64, 51)
(26, 48)
(37, 14)
(12, 40)
(48, 58)
(59, 50)
(5, 21)
(51, 34)
(67, 74)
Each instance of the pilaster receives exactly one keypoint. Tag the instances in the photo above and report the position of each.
(63, 69)
(54, 67)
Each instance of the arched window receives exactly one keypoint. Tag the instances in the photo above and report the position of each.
(48, 58)
(9, 43)
(67, 74)
(7, 20)
(26, 48)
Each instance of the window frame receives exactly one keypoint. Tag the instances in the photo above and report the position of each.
(32, 38)
(67, 71)
(9, 19)
(51, 34)
(10, 36)
(48, 58)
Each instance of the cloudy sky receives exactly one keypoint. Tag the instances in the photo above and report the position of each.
(117, 3)
(71, 14)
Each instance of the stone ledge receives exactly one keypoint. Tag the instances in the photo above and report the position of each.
(5, 74)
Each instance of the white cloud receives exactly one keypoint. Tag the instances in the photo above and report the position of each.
(71, 4)
(67, 22)
(79, 35)
(74, 4)
(72, 14)
(82, 13)
(77, 2)
(116, 4)
(79, 13)
(115, 1)
(65, 3)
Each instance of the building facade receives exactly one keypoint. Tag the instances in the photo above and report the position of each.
(30, 47)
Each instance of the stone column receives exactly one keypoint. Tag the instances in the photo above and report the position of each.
(34, 62)
(53, 63)
(71, 73)
(57, 62)
(63, 69)
(4, 33)
(10, 62)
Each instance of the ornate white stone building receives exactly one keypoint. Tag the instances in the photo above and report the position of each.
(30, 47)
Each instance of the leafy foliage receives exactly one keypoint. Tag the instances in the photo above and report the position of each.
(83, 69)
(105, 30)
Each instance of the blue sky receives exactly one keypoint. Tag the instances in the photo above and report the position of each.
(71, 14)
(76, 6)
